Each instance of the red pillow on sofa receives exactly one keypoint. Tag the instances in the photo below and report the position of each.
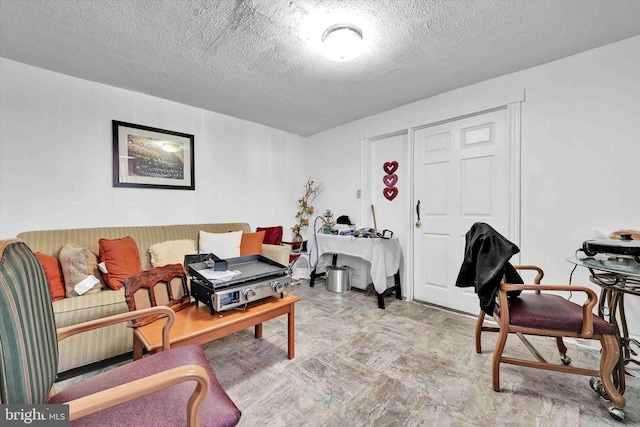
(53, 273)
(251, 243)
(121, 258)
(272, 235)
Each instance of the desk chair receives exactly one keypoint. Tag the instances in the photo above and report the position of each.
(173, 387)
(524, 310)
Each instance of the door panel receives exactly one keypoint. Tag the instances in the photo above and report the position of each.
(477, 186)
(461, 176)
(436, 248)
(436, 181)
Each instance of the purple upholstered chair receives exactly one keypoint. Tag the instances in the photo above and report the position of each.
(171, 388)
(523, 310)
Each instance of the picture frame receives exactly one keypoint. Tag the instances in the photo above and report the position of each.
(147, 157)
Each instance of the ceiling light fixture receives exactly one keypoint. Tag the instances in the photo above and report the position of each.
(342, 42)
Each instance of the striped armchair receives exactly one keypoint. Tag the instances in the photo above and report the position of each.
(185, 389)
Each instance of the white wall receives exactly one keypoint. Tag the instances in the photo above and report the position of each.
(580, 127)
(580, 152)
(56, 161)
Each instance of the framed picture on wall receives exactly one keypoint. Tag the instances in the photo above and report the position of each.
(148, 157)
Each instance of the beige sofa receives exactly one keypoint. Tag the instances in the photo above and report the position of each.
(83, 349)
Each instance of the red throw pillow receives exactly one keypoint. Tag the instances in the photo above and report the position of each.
(251, 243)
(121, 258)
(272, 236)
(53, 273)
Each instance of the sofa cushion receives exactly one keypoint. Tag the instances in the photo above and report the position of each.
(222, 245)
(53, 273)
(121, 258)
(172, 252)
(273, 235)
(75, 262)
(251, 243)
(71, 311)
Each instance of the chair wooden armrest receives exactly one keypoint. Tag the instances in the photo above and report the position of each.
(587, 307)
(538, 277)
(105, 399)
(160, 311)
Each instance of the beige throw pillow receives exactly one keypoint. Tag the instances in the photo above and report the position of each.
(172, 252)
(77, 264)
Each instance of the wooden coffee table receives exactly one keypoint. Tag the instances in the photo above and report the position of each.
(195, 324)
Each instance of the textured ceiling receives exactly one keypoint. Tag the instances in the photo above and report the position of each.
(260, 60)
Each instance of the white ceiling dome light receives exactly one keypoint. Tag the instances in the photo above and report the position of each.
(342, 42)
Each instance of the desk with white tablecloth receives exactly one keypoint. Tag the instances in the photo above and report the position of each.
(383, 254)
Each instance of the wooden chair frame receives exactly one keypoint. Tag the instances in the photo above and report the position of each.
(105, 399)
(148, 280)
(562, 349)
(610, 361)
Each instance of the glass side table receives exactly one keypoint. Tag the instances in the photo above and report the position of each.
(616, 277)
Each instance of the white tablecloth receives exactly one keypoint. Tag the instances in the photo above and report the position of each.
(383, 254)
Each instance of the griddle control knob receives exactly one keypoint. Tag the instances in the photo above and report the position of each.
(277, 286)
(248, 294)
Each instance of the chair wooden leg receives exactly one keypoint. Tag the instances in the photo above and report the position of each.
(479, 324)
(562, 349)
(608, 363)
(497, 357)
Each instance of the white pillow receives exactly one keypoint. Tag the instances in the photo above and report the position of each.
(222, 245)
(171, 252)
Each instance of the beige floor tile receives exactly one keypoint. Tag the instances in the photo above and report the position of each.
(408, 365)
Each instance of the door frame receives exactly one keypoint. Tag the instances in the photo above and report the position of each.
(513, 103)
(366, 175)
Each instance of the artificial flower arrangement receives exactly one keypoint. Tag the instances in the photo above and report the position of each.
(305, 205)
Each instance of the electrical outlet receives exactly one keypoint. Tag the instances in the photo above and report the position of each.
(358, 194)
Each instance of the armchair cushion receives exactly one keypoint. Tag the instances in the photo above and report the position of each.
(272, 235)
(545, 311)
(161, 408)
(29, 349)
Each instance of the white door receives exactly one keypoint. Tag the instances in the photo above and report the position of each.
(462, 176)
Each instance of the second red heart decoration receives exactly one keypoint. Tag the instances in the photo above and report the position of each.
(390, 180)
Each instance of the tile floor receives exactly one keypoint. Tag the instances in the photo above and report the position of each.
(408, 365)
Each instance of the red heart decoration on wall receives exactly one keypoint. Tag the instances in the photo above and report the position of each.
(390, 193)
(390, 167)
(390, 180)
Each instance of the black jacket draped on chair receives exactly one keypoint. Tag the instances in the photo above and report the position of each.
(486, 262)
